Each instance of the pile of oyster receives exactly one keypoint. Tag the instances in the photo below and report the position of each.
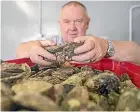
(65, 88)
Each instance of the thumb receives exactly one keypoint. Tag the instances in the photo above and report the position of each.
(47, 42)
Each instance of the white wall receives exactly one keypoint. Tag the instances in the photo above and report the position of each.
(18, 24)
(20, 21)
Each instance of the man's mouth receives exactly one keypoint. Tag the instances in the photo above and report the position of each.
(73, 35)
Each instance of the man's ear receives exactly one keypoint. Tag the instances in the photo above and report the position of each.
(88, 21)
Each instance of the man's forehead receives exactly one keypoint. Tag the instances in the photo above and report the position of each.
(67, 11)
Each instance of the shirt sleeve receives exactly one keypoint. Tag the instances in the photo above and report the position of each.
(55, 38)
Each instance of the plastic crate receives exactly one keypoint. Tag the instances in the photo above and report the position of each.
(105, 64)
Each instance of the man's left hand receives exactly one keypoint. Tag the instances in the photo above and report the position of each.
(93, 49)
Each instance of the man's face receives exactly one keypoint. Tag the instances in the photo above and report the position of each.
(73, 22)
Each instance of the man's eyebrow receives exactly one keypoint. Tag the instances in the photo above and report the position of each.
(66, 20)
(79, 19)
(69, 20)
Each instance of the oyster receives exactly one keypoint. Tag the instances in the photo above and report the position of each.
(63, 73)
(33, 86)
(42, 73)
(129, 100)
(11, 72)
(92, 106)
(6, 98)
(73, 80)
(85, 68)
(84, 75)
(94, 97)
(6, 103)
(63, 87)
(103, 83)
(109, 102)
(126, 82)
(5, 89)
(63, 51)
(76, 99)
(53, 80)
(14, 68)
(35, 101)
(68, 88)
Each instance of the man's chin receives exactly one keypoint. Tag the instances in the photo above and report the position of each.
(72, 36)
(69, 40)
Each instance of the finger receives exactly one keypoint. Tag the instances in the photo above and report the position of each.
(80, 39)
(47, 42)
(84, 57)
(94, 59)
(39, 60)
(67, 63)
(44, 53)
(43, 62)
(80, 62)
(87, 46)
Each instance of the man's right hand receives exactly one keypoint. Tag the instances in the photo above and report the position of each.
(35, 51)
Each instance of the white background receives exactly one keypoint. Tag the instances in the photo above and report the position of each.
(20, 21)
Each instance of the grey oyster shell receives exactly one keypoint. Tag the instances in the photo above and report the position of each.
(62, 52)
(103, 83)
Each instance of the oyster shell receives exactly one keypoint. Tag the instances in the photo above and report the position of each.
(33, 87)
(84, 75)
(52, 79)
(129, 100)
(14, 68)
(63, 51)
(63, 73)
(35, 101)
(73, 80)
(11, 72)
(42, 73)
(6, 98)
(103, 83)
(64, 87)
(109, 102)
(76, 99)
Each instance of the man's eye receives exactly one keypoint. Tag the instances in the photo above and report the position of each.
(79, 21)
(66, 21)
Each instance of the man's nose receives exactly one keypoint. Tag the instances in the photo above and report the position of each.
(72, 26)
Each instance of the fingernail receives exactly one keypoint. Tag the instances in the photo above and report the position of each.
(75, 51)
(72, 58)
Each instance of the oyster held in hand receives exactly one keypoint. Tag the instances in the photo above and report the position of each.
(63, 51)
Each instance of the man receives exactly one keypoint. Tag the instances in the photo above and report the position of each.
(74, 22)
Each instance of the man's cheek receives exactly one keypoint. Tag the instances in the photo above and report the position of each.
(81, 32)
(65, 29)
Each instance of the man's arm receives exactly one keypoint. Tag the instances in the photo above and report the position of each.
(126, 51)
(35, 51)
(94, 49)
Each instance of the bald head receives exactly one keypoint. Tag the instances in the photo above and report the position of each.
(74, 4)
